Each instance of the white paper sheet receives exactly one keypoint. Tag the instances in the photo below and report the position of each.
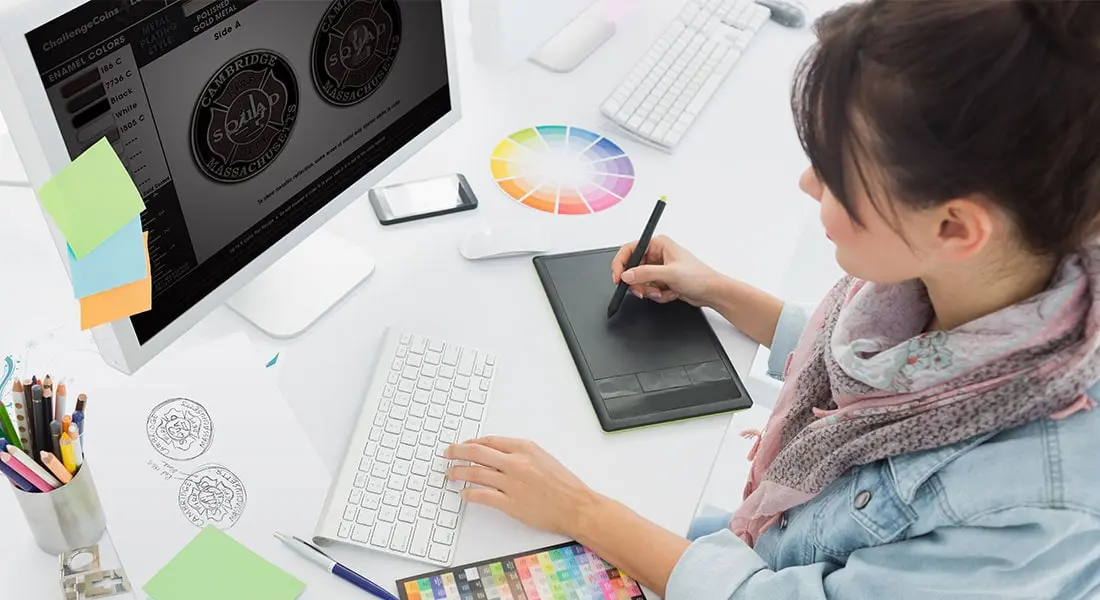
(204, 438)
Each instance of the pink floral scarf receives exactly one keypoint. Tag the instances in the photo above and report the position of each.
(866, 382)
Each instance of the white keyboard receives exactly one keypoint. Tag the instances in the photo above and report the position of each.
(390, 494)
(665, 92)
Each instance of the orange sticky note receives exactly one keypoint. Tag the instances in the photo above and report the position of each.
(121, 302)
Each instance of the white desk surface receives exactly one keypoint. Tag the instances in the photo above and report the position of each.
(733, 199)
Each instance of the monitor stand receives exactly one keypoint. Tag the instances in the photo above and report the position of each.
(296, 291)
(568, 49)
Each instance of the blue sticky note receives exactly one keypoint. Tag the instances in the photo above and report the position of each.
(116, 262)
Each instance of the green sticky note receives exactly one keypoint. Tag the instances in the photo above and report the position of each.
(92, 198)
(214, 566)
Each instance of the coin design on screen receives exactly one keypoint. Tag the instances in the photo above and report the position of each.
(179, 429)
(244, 116)
(212, 495)
(354, 49)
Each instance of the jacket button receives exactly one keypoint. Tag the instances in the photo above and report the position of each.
(862, 499)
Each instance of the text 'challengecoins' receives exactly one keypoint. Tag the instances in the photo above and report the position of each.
(179, 429)
(354, 49)
(212, 495)
(244, 117)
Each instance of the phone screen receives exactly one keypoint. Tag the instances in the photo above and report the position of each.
(419, 198)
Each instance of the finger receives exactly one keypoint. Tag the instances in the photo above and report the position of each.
(486, 497)
(506, 445)
(664, 296)
(478, 454)
(649, 274)
(618, 264)
(478, 476)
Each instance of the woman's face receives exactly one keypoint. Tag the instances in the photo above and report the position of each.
(876, 250)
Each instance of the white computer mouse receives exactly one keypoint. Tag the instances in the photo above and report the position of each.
(498, 242)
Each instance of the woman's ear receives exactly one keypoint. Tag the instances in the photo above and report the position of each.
(963, 228)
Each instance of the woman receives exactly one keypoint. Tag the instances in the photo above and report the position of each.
(935, 436)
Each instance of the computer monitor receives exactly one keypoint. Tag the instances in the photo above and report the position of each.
(245, 124)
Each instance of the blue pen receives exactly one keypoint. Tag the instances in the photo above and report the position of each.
(318, 557)
(10, 473)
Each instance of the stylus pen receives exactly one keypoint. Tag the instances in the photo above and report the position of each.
(316, 556)
(636, 258)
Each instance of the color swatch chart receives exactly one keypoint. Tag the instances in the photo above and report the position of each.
(565, 572)
(563, 170)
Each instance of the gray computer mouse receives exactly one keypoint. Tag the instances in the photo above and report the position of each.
(787, 13)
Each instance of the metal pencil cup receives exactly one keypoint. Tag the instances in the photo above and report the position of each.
(67, 518)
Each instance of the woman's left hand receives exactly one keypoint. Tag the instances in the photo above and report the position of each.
(522, 480)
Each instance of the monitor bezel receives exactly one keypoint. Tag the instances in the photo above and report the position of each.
(38, 140)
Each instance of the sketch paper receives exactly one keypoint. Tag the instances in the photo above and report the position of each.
(203, 437)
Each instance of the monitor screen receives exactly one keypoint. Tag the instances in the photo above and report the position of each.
(239, 119)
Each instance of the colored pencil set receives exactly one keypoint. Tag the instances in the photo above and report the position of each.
(40, 441)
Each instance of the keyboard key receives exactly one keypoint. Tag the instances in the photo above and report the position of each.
(380, 470)
(433, 495)
(466, 363)
(439, 397)
(390, 439)
(405, 452)
(414, 361)
(345, 530)
(402, 352)
(454, 408)
(385, 455)
(425, 383)
(401, 467)
(399, 413)
(361, 534)
(382, 532)
(350, 512)
(440, 466)
(439, 553)
(402, 399)
(441, 450)
(396, 483)
(450, 355)
(409, 437)
(414, 424)
(433, 358)
(462, 383)
(376, 486)
(406, 386)
(371, 502)
(424, 453)
(468, 431)
(448, 519)
(398, 364)
(379, 419)
(454, 486)
(406, 339)
(360, 480)
(418, 410)
(435, 480)
(416, 484)
(429, 511)
(366, 517)
(356, 496)
(479, 369)
(421, 538)
(443, 384)
(451, 422)
(435, 345)
(435, 411)
(391, 498)
(418, 345)
(411, 498)
(427, 438)
(365, 464)
(388, 391)
(421, 397)
(473, 411)
(484, 385)
(387, 514)
(444, 536)
(375, 435)
(490, 359)
(429, 370)
(401, 534)
(488, 370)
(407, 514)
(458, 395)
(448, 435)
(421, 467)
(447, 372)
(478, 397)
(393, 378)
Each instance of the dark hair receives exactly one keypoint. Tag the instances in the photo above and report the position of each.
(948, 98)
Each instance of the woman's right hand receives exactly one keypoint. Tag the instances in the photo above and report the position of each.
(668, 272)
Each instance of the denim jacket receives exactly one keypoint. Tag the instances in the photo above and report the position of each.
(1009, 515)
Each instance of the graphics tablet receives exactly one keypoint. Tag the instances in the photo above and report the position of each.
(651, 363)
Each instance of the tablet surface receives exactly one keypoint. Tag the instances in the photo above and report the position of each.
(651, 363)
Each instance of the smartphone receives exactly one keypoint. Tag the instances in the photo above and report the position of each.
(422, 199)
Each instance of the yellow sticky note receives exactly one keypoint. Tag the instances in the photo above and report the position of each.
(92, 198)
(121, 302)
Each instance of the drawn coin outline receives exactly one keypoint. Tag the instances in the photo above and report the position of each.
(212, 495)
(209, 143)
(180, 440)
(325, 81)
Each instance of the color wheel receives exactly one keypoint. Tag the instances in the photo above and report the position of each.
(563, 170)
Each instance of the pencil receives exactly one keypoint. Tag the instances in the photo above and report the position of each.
(54, 465)
(78, 420)
(24, 472)
(41, 423)
(28, 405)
(67, 454)
(7, 428)
(81, 400)
(65, 422)
(33, 466)
(47, 383)
(78, 450)
(55, 437)
(16, 478)
(59, 401)
(47, 404)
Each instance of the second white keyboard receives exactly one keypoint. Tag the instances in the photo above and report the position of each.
(665, 92)
(390, 494)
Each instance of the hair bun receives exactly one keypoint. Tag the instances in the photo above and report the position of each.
(1073, 26)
